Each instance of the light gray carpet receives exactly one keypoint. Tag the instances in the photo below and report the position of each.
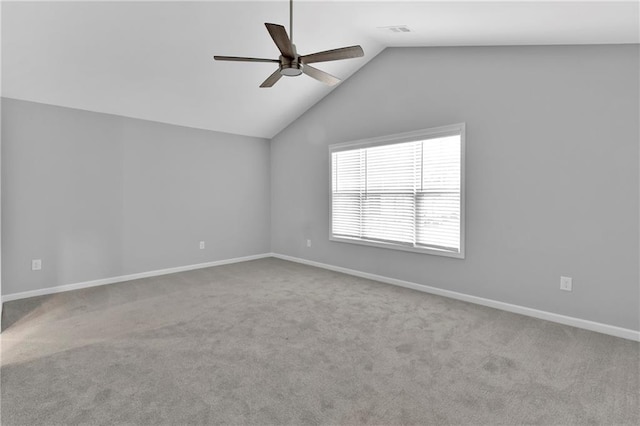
(274, 342)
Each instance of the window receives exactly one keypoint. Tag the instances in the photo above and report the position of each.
(403, 191)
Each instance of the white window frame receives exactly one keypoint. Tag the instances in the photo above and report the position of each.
(424, 134)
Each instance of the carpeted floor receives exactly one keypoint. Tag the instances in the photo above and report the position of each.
(274, 342)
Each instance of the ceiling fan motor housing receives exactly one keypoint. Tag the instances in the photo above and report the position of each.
(291, 67)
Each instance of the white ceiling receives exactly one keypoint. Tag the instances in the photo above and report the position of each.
(153, 60)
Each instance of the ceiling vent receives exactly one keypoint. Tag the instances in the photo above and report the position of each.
(397, 29)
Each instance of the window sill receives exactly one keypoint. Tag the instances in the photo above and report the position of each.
(391, 246)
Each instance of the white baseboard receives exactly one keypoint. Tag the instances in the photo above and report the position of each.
(612, 330)
(113, 280)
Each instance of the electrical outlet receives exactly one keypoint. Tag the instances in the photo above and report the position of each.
(201, 245)
(308, 243)
(566, 283)
(36, 264)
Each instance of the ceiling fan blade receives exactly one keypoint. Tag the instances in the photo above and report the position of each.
(272, 79)
(319, 75)
(243, 59)
(281, 39)
(333, 55)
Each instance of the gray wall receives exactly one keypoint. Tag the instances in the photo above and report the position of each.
(552, 172)
(97, 196)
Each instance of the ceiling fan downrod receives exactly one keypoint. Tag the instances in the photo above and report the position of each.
(291, 20)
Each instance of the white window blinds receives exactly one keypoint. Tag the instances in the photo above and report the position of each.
(405, 194)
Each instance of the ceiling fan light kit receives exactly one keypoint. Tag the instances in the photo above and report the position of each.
(290, 64)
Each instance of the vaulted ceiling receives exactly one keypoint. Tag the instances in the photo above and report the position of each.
(153, 60)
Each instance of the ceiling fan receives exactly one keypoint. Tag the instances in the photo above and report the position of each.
(291, 64)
